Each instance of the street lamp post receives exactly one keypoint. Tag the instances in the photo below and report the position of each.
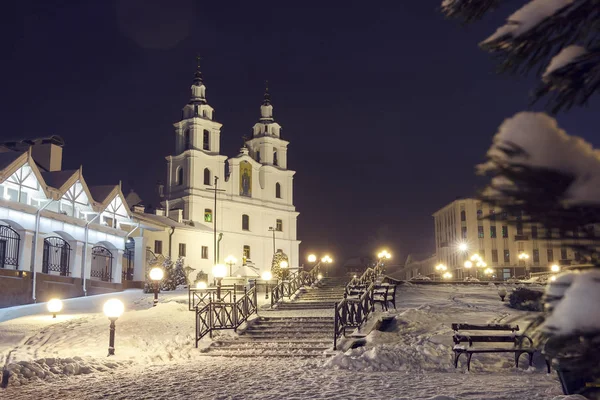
(383, 255)
(271, 229)
(54, 307)
(219, 272)
(284, 269)
(267, 276)
(230, 260)
(523, 257)
(113, 309)
(468, 265)
(326, 260)
(156, 275)
(441, 268)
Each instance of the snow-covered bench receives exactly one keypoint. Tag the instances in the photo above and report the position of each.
(384, 294)
(517, 340)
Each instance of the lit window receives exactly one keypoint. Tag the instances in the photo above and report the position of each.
(246, 252)
(279, 225)
(208, 217)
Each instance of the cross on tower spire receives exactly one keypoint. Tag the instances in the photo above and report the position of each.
(198, 75)
(267, 99)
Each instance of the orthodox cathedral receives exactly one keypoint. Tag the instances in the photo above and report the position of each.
(216, 208)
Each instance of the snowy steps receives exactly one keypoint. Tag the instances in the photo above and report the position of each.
(278, 337)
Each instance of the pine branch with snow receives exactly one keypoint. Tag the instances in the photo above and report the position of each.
(468, 10)
(558, 39)
(541, 175)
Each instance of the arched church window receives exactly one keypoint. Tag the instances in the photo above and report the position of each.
(275, 161)
(278, 190)
(179, 179)
(206, 176)
(245, 222)
(206, 140)
(187, 140)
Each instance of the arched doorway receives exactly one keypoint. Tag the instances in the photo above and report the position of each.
(102, 261)
(56, 256)
(128, 259)
(10, 242)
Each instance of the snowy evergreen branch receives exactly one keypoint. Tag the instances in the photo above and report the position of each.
(535, 35)
(572, 84)
(468, 10)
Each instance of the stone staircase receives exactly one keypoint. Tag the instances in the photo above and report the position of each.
(324, 296)
(290, 333)
(279, 337)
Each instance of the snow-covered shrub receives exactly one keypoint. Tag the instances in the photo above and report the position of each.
(525, 299)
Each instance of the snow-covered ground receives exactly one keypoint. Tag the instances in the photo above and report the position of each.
(65, 358)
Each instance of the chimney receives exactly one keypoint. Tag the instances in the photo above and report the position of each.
(47, 153)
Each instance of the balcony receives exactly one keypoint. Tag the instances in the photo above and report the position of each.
(521, 237)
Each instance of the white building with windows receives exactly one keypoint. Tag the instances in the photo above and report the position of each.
(253, 215)
(463, 229)
(58, 236)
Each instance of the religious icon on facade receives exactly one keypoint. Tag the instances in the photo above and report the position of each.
(245, 179)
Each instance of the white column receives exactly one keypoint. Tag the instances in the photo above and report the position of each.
(139, 262)
(38, 256)
(25, 251)
(76, 259)
(117, 265)
(87, 268)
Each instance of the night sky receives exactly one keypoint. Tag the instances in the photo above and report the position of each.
(387, 108)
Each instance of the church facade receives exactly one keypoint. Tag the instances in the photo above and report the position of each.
(215, 206)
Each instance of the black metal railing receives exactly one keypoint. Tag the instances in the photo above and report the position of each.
(353, 312)
(288, 287)
(198, 298)
(218, 314)
(10, 242)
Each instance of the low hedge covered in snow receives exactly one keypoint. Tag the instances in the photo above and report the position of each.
(526, 299)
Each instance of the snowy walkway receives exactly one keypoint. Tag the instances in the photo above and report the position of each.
(265, 379)
(156, 359)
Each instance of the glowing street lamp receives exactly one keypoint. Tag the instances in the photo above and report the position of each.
(284, 269)
(320, 276)
(54, 307)
(230, 260)
(201, 285)
(267, 276)
(555, 268)
(312, 258)
(447, 275)
(219, 272)
(113, 309)
(326, 260)
(462, 246)
(156, 275)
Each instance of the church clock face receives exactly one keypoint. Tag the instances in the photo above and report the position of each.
(245, 179)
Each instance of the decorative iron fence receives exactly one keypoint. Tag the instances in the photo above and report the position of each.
(128, 260)
(198, 298)
(10, 242)
(297, 280)
(352, 313)
(56, 256)
(102, 260)
(219, 314)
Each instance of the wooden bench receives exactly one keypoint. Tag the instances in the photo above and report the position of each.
(384, 294)
(513, 337)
